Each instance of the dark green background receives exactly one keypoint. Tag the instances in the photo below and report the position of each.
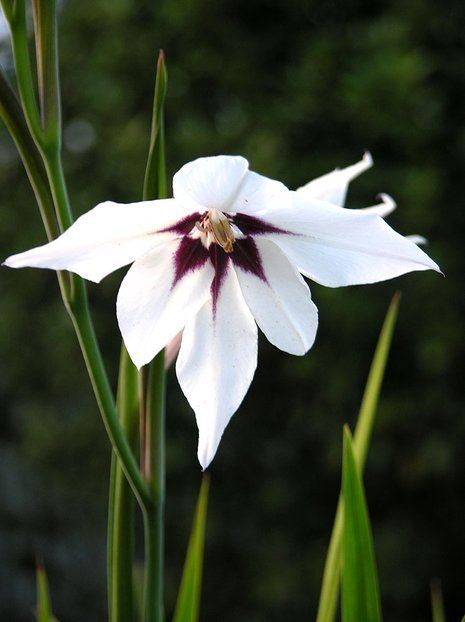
(298, 88)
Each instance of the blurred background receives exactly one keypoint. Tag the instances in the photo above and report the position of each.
(298, 87)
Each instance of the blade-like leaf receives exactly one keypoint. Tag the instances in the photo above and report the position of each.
(437, 602)
(155, 172)
(331, 577)
(188, 602)
(360, 592)
(44, 607)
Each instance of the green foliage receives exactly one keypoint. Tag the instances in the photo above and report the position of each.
(437, 602)
(188, 601)
(329, 594)
(44, 606)
(299, 88)
(360, 592)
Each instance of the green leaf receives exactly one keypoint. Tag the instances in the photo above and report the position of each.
(188, 602)
(46, 38)
(155, 186)
(331, 577)
(437, 603)
(360, 592)
(44, 607)
(12, 115)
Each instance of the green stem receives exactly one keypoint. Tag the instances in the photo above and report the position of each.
(55, 174)
(13, 117)
(154, 512)
(153, 420)
(75, 300)
(80, 317)
(121, 504)
(23, 70)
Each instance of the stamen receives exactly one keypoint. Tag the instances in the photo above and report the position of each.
(217, 228)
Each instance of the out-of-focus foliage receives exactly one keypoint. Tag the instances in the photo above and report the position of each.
(298, 87)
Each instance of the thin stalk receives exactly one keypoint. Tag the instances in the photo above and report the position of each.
(13, 117)
(80, 316)
(75, 300)
(121, 504)
(153, 425)
(154, 512)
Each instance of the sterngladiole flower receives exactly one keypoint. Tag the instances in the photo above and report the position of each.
(226, 254)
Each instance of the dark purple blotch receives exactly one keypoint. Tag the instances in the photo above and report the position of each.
(183, 226)
(250, 225)
(246, 256)
(220, 260)
(190, 255)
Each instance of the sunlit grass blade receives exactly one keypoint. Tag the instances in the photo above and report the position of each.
(44, 606)
(332, 572)
(437, 602)
(188, 602)
(360, 592)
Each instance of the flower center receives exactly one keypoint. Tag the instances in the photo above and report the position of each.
(215, 226)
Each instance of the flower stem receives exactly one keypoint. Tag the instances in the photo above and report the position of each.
(80, 317)
(152, 392)
(154, 511)
(121, 503)
(48, 143)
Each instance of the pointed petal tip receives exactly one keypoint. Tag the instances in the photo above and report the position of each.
(417, 239)
(367, 158)
(204, 457)
(387, 200)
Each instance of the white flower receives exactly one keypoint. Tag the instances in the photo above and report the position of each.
(224, 255)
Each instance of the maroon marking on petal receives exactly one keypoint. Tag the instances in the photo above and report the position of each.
(183, 226)
(190, 255)
(249, 225)
(246, 256)
(220, 261)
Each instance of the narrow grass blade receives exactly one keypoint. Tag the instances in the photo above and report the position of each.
(188, 602)
(437, 602)
(360, 592)
(44, 607)
(331, 577)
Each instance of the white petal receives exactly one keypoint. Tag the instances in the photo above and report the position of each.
(382, 209)
(281, 306)
(417, 239)
(258, 193)
(216, 363)
(107, 237)
(336, 246)
(151, 311)
(209, 183)
(332, 187)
